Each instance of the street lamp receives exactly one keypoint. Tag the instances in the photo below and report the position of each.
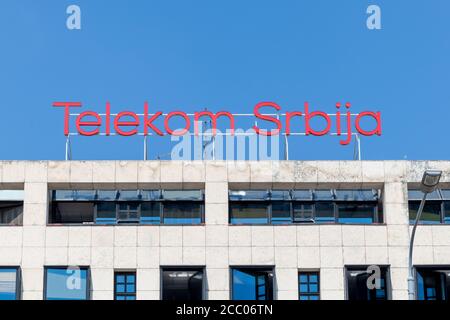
(429, 183)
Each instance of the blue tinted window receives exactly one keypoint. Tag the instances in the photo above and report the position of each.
(8, 284)
(252, 284)
(106, 213)
(433, 284)
(182, 213)
(308, 285)
(125, 286)
(248, 213)
(356, 213)
(66, 284)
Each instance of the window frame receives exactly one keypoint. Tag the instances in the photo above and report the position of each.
(88, 280)
(181, 268)
(431, 268)
(18, 290)
(309, 294)
(261, 268)
(126, 294)
(117, 201)
(377, 216)
(387, 285)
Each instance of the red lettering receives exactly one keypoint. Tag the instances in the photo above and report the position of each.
(80, 123)
(148, 122)
(267, 118)
(118, 123)
(374, 115)
(309, 116)
(289, 115)
(174, 132)
(66, 105)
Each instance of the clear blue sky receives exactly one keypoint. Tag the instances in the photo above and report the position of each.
(231, 54)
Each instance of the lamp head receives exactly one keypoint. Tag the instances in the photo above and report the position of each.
(430, 180)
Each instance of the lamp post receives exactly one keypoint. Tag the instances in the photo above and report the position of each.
(430, 181)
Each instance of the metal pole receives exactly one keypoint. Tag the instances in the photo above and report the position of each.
(68, 151)
(411, 280)
(286, 148)
(145, 148)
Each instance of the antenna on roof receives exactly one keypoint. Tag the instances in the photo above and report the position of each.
(68, 148)
(357, 148)
(145, 147)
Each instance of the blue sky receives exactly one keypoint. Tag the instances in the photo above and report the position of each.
(191, 55)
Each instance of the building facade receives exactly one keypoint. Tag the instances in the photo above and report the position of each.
(219, 230)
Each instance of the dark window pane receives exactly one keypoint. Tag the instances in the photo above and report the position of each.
(66, 284)
(303, 212)
(8, 284)
(182, 284)
(72, 212)
(11, 213)
(357, 285)
(248, 212)
(447, 211)
(106, 213)
(324, 212)
(182, 213)
(128, 212)
(356, 213)
(431, 213)
(433, 284)
(281, 212)
(252, 284)
(150, 212)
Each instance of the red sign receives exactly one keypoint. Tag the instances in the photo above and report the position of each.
(128, 123)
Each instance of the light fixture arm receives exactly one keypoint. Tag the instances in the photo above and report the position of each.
(411, 280)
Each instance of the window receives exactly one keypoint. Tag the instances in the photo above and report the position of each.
(354, 212)
(436, 209)
(446, 211)
(65, 283)
(106, 213)
(182, 213)
(248, 212)
(128, 212)
(433, 283)
(182, 284)
(281, 212)
(305, 206)
(303, 212)
(125, 286)
(11, 207)
(308, 286)
(324, 212)
(358, 284)
(127, 207)
(9, 283)
(252, 283)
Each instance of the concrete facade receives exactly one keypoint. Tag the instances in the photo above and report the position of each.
(216, 244)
